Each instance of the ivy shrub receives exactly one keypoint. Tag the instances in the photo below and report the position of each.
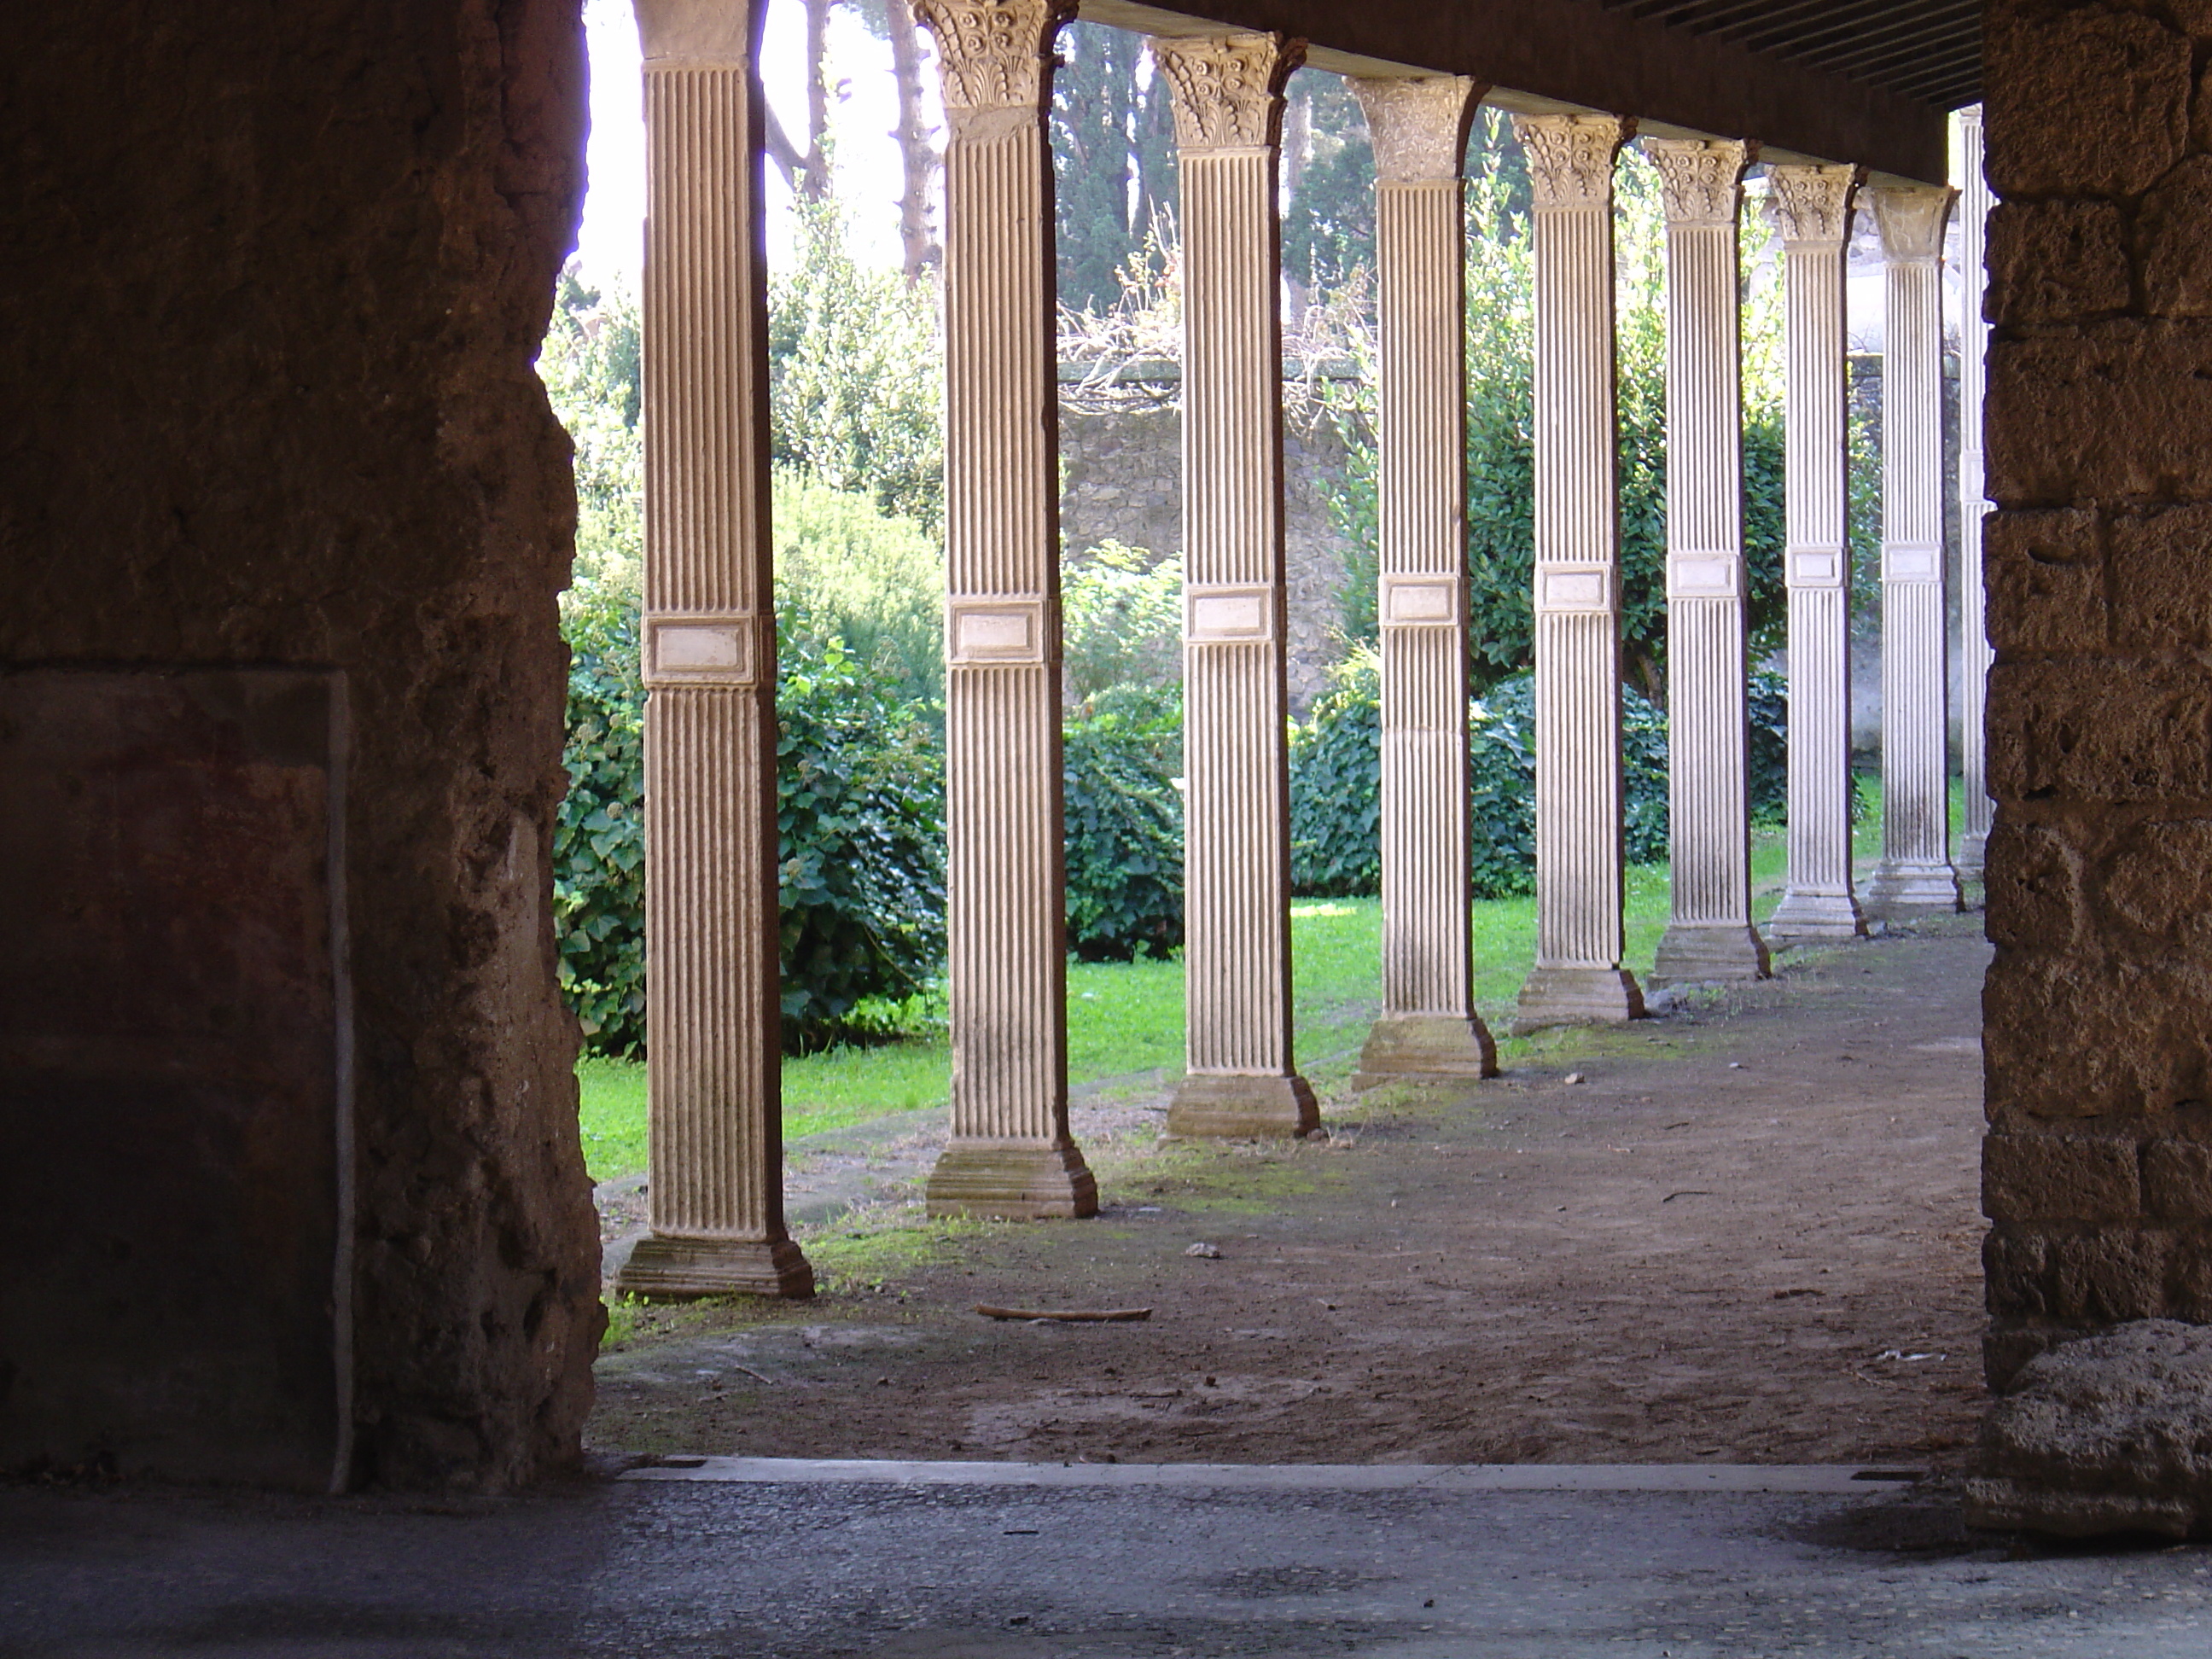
(1336, 784)
(599, 838)
(1119, 755)
(860, 827)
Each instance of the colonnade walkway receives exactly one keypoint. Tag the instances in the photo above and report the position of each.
(1750, 1233)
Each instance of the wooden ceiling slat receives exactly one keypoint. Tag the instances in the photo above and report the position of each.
(1927, 49)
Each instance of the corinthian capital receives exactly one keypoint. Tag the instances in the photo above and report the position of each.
(1811, 204)
(1227, 89)
(1701, 180)
(1571, 156)
(993, 54)
(1417, 125)
(1912, 218)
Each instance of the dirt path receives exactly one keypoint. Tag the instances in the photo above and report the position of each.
(1751, 1234)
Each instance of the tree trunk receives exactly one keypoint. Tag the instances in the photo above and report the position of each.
(919, 160)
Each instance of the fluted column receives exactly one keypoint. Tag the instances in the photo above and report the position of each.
(1429, 1026)
(713, 1060)
(1709, 935)
(1974, 653)
(1578, 975)
(1916, 873)
(1228, 98)
(1010, 1154)
(1811, 207)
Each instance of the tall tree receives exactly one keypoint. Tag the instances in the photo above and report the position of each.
(892, 22)
(1094, 107)
(807, 170)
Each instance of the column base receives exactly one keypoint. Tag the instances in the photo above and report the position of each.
(1013, 1183)
(682, 1268)
(1973, 854)
(1692, 955)
(1418, 1047)
(1577, 996)
(1913, 889)
(1811, 916)
(1242, 1107)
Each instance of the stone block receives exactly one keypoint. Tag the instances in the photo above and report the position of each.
(2032, 888)
(2044, 573)
(2067, 732)
(2116, 409)
(2111, 1433)
(2074, 1036)
(2156, 885)
(2173, 238)
(2122, 82)
(2048, 1177)
(2109, 1275)
(2177, 1179)
(2160, 568)
(2057, 262)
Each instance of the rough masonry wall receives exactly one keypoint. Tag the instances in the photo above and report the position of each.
(1121, 480)
(2098, 1168)
(276, 273)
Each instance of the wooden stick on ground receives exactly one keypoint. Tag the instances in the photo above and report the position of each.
(1069, 1316)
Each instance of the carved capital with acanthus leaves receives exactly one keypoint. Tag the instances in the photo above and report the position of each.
(1701, 180)
(1417, 125)
(1912, 218)
(1571, 156)
(1227, 89)
(1811, 204)
(995, 54)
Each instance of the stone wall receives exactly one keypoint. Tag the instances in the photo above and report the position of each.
(275, 278)
(1121, 479)
(2098, 1168)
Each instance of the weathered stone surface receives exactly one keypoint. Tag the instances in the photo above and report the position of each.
(276, 278)
(2063, 261)
(2112, 1433)
(2122, 83)
(2078, 1035)
(2153, 884)
(2173, 230)
(2163, 558)
(2061, 730)
(2100, 1276)
(2045, 576)
(2177, 1179)
(2046, 1177)
(2121, 409)
(2032, 888)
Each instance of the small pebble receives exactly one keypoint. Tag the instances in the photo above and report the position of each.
(1574, 1077)
(1211, 1252)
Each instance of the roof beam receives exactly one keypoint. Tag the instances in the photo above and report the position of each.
(1578, 53)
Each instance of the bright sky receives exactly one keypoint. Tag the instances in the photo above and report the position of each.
(608, 243)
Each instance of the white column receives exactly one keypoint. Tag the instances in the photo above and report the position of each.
(1710, 935)
(1010, 1154)
(1578, 975)
(1975, 655)
(1429, 1026)
(1915, 874)
(713, 1056)
(1811, 207)
(1228, 98)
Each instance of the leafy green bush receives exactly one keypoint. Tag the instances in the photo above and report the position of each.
(1121, 621)
(1119, 755)
(1336, 784)
(861, 821)
(846, 571)
(599, 838)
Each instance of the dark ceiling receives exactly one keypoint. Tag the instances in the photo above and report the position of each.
(1928, 50)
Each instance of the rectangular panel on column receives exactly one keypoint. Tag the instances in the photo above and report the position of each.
(1578, 976)
(1227, 93)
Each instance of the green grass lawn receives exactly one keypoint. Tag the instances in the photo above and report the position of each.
(1127, 1018)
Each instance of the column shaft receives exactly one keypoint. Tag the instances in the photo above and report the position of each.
(1710, 935)
(713, 1046)
(1916, 873)
(1578, 975)
(1812, 210)
(1975, 656)
(1241, 1080)
(1010, 1154)
(1429, 1026)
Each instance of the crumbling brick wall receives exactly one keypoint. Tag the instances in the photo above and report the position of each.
(276, 274)
(2098, 1168)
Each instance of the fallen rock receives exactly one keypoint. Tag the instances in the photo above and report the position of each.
(2111, 1433)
